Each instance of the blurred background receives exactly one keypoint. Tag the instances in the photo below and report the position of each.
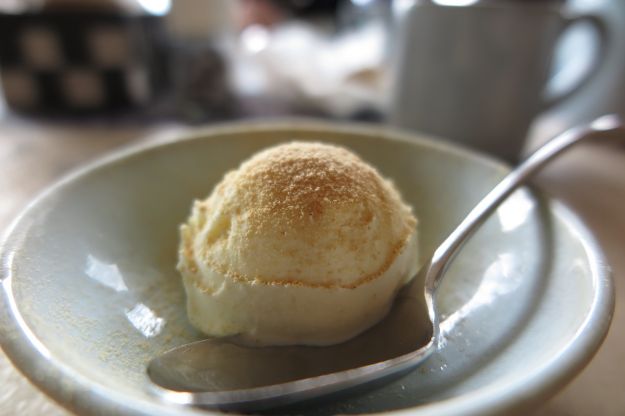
(81, 77)
(144, 61)
(192, 61)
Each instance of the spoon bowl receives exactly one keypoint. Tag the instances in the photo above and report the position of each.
(221, 374)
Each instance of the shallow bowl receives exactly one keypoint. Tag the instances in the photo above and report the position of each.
(90, 292)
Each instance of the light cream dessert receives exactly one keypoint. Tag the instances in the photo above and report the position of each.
(303, 244)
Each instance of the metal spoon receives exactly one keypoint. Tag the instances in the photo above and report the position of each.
(220, 374)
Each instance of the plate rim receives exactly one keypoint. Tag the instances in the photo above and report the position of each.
(60, 382)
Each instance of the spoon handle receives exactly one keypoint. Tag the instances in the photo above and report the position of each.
(608, 125)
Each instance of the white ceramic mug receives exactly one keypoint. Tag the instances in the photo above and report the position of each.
(476, 74)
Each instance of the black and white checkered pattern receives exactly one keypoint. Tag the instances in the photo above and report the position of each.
(79, 62)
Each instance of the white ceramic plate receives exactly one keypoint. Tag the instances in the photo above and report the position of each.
(90, 292)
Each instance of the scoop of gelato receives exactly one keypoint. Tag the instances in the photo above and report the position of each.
(304, 243)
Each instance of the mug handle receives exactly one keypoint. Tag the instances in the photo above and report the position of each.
(602, 30)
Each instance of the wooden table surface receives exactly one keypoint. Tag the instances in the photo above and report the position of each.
(590, 179)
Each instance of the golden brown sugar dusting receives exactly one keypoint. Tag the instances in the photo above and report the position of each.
(304, 214)
(299, 180)
(294, 281)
